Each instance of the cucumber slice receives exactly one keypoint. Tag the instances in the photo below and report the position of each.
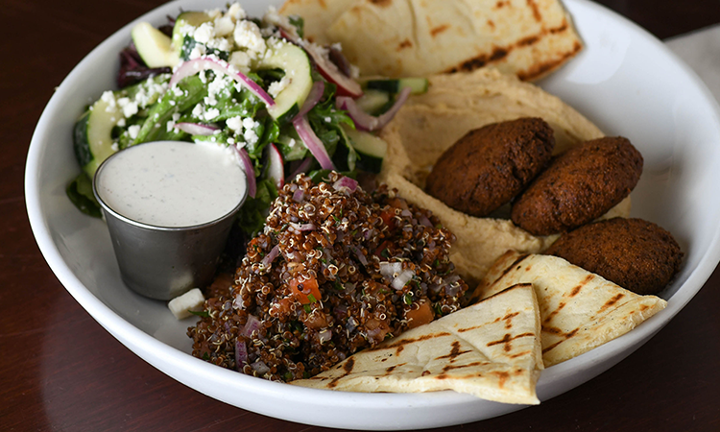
(416, 85)
(93, 141)
(295, 63)
(154, 47)
(372, 100)
(370, 148)
(193, 19)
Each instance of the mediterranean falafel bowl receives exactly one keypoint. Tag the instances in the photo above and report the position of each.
(676, 138)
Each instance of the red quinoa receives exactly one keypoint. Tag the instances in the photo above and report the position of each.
(335, 270)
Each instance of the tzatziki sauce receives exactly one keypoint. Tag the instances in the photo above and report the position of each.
(172, 183)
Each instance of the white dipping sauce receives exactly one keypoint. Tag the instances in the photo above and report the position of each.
(172, 183)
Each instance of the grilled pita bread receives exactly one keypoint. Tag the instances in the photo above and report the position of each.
(397, 38)
(579, 310)
(490, 350)
(317, 15)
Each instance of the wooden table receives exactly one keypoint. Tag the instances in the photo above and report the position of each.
(61, 371)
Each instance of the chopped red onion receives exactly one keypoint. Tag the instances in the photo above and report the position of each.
(316, 93)
(405, 213)
(364, 120)
(303, 227)
(360, 255)
(247, 166)
(425, 221)
(340, 311)
(191, 67)
(260, 367)
(253, 324)
(345, 185)
(351, 324)
(196, 128)
(390, 270)
(302, 168)
(325, 336)
(238, 303)
(368, 234)
(403, 278)
(298, 196)
(452, 279)
(241, 354)
(270, 257)
(312, 142)
(453, 289)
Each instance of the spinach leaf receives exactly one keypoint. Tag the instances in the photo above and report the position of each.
(80, 193)
(325, 120)
(253, 213)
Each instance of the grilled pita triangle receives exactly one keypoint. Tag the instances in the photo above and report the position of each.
(579, 309)
(490, 350)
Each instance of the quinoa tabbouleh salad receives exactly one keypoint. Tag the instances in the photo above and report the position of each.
(335, 270)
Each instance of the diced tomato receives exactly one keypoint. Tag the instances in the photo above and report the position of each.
(303, 288)
(383, 246)
(423, 314)
(388, 216)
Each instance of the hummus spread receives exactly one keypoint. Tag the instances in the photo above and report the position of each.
(455, 104)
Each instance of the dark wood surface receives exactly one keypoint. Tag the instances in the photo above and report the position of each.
(61, 371)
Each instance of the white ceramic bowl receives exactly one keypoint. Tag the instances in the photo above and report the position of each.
(626, 81)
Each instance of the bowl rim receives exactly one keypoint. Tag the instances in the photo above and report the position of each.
(175, 361)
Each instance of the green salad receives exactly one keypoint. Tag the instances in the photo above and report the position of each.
(285, 105)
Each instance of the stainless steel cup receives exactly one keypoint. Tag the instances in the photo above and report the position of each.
(165, 262)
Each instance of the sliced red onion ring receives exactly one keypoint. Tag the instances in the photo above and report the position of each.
(345, 184)
(270, 257)
(276, 169)
(345, 84)
(316, 93)
(191, 67)
(197, 128)
(365, 121)
(312, 142)
(302, 168)
(247, 166)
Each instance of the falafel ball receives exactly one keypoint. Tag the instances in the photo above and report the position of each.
(636, 254)
(579, 186)
(488, 166)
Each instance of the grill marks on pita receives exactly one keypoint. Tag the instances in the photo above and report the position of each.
(534, 72)
(398, 38)
(490, 350)
(579, 310)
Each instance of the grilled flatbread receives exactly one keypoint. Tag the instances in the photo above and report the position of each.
(397, 38)
(317, 15)
(579, 310)
(490, 350)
